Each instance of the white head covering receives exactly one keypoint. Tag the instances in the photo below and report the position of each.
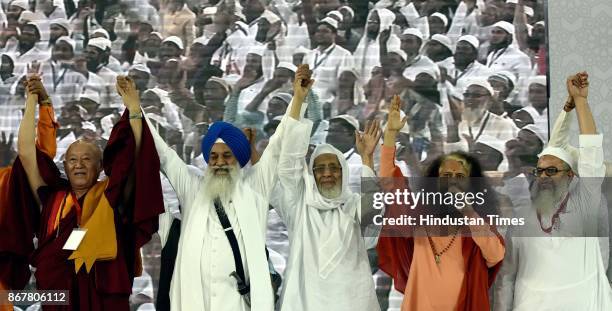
(43, 29)
(62, 22)
(538, 131)
(287, 65)
(540, 23)
(330, 21)
(433, 71)
(91, 95)
(413, 31)
(398, 51)
(506, 75)
(559, 146)
(270, 17)
(331, 250)
(68, 40)
(507, 27)
(493, 142)
(286, 97)
(221, 82)
(157, 34)
(480, 82)
(100, 43)
(541, 79)
(367, 55)
(141, 68)
(21, 4)
(86, 125)
(348, 118)
(336, 14)
(201, 40)
(107, 126)
(176, 40)
(101, 31)
(349, 9)
(444, 40)
(528, 11)
(440, 16)
(473, 41)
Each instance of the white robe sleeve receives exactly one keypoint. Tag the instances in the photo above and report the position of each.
(592, 170)
(291, 168)
(177, 172)
(504, 285)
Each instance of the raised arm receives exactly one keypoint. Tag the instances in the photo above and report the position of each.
(366, 143)
(394, 124)
(579, 90)
(131, 99)
(26, 146)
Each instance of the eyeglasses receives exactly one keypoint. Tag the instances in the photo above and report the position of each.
(332, 169)
(473, 95)
(550, 171)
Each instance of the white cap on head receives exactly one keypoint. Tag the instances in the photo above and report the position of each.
(473, 41)
(157, 34)
(100, 43)
(538, 131)
(440, 16)
(330, 21)
(542, 23)
(86, 125)
(398, 51)
(176, 41)
(336, 14)
(529, 11)
(506, 75)
(493, 142)
(482, 83)
(430, 70)
(414, 32)
(512, 1)
(68, 40)
(507, 27)
(91, 95)
(349, 119)
(270, 17)
(141, 68)
(42, 28)
(62, 22)
(348, 9)
(201, 40)
(567, 155)
(444, 40)
(101, 31)
(287, 65)
(21, 4)
(540, 79)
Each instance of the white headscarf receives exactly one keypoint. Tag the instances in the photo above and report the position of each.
(367, 54)
(337, 228)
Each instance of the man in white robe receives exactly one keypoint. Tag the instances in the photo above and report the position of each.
(328, 267)
(558, 262)
(201, 278)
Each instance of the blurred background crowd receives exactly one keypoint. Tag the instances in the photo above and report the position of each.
(471, 75)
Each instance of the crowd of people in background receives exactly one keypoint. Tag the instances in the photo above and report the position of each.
(471, 76)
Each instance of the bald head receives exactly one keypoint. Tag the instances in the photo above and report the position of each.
(83, 164)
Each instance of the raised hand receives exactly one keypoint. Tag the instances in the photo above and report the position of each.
(7, 153)
(33, 69)
(366, 142)
(302, 82)
(34, 86)
(394, 120)
(128, 92)
(578, 85)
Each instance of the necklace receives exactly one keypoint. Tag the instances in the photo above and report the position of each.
(437, 255)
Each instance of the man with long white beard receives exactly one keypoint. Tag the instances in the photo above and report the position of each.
(328, 266)
(473, 119)
(221, 261)
(557, 262)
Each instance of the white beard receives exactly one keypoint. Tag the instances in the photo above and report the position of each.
(546, 200)
(221, 186)
(331, 193)
(472, 115)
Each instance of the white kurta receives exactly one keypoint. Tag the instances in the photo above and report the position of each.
(489, 125)
(204, 261)
(558, 272)
(320, 275)
(326, 68)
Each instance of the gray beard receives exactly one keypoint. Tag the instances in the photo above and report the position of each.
(544, 201)
(221, 186)
(331, 193)
(472, 115)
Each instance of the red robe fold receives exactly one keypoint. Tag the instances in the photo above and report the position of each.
(108, 285)
(395, 258)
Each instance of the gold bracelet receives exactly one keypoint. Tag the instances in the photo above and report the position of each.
(46, 102)
(136, 116)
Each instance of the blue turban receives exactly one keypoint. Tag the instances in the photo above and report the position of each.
(232, 136)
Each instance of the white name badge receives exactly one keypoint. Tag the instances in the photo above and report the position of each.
(75, 239)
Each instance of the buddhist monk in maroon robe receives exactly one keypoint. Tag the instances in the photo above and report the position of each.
(14, 251)
(119, 212)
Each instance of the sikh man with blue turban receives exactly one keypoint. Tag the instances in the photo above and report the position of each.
(221, 260)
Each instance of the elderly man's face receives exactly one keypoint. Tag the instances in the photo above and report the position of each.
(501, 86)
(556, 174)
(83, 162)
(476, 97)
(453, 176)
(221, 158)
(328, 175)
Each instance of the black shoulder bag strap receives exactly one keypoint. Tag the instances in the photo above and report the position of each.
(243, 287)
